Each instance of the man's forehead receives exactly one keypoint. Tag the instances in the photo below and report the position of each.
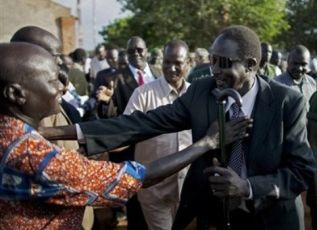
(176, 51)
(300, 56)
(224, 47)
(136, 43)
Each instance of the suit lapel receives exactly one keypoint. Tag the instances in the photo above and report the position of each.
(129, 79)
(263, 114)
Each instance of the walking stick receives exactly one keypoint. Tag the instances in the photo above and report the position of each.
(221, 96)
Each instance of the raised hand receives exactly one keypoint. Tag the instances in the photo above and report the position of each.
(234, 130)
(104, 93)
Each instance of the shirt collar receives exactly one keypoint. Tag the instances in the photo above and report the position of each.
(248, 100)
(295, 82)
(146, 70)
(168, 89)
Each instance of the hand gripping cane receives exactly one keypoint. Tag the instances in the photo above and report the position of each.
(221, 97)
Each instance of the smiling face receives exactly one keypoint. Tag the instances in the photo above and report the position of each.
(137, 52)
(175, 64)
(30, 86)
(43, 90)
(228, 70)
(298, 63)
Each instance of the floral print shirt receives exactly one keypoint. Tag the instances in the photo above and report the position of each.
(45, 187)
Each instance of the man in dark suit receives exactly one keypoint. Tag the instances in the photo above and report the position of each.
(113, 98)
(119, 85)
(276, 163)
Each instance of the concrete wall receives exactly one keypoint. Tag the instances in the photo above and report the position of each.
(46, 14)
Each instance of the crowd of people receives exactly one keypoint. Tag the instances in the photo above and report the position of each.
(135, 131)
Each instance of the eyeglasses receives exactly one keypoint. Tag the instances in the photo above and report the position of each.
(223, 62)
(132, 51)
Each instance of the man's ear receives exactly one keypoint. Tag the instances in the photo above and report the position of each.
(251, 64)
(14, 93)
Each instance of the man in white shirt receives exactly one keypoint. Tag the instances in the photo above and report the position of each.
(98, 62)
(159, 203)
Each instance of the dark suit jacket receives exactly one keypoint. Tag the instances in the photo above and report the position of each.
(124, 85)
(278, 154)
(102, 79)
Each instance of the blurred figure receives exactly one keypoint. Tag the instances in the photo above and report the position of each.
(155, 61)
(266, 69)
(202, 68)
(98, 62)
(160, 202)
(313, 68)
(77, 73)
(201, 56)
(192, 62)
(296, 75)
(123, 61)
(276, 60)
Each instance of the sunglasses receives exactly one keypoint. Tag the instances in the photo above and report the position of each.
(223, 62)
(132, 51)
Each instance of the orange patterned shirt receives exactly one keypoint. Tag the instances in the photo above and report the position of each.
(45, 187)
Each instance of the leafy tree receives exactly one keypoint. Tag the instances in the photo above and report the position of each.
(302, 19)
(196, 21)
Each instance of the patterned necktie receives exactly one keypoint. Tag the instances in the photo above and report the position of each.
(236, 160)
(140, 77)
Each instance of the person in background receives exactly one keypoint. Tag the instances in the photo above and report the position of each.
(98, 62)
(77, 74)
(160, 202)
(266, 68)
(276, 60)
(202, 68)
(155, 61)
(296, 75)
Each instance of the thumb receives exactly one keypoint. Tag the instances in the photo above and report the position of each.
(111, 85)
(215, 162)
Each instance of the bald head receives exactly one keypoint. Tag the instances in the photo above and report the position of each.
(299, 49)
(29, 85)
(37, 36)
(27, 57)
(136, 39)
(298, 62)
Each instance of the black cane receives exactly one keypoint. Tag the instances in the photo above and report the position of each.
(222, 96)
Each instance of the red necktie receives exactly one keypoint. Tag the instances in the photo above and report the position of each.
(140, 77)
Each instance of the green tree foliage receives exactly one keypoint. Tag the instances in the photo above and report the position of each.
(302, 19)
(195, 21)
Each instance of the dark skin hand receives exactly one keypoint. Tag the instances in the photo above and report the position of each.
(161, 168)
(226, 182)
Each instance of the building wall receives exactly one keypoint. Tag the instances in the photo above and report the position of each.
(46, 14)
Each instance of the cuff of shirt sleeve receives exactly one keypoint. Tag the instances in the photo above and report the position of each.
(250, 197)
(80, 135)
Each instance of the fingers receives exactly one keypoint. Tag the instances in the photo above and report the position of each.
(215, 162)
(218, 171)
(111, 85)
(237, 129)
